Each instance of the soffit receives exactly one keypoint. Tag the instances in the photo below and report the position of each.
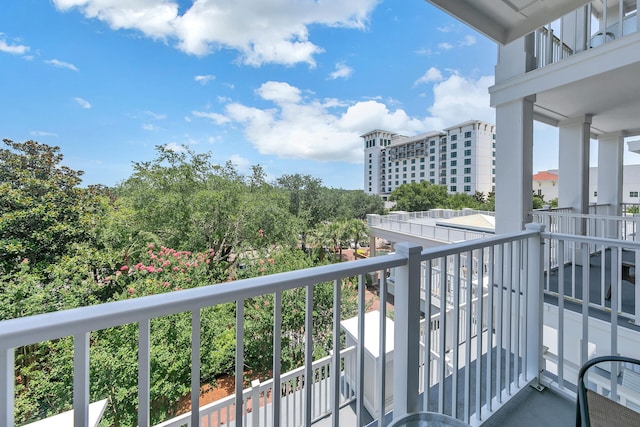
(507, 20)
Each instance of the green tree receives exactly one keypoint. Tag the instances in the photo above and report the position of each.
(419, 196)
(42, 210)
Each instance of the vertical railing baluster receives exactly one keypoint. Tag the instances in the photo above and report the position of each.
(615, 308)
(335, 368)
(442, 371)
(239, 361)
(456, 335)
(490, 325)
(195, 368)
(560, 336)
(308, 355)
(515, 328)
(509, 274)
(479, 332)
(499, 319)
(467, 353)
(144, 346)
(427, 336)
(81, 379)
(276, 393)
(584, 353)
(360, 352)
(7, 383)
(382, 361)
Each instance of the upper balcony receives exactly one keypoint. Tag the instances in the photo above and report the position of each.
(508, 324)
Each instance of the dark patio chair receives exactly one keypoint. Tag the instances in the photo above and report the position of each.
(594, 409)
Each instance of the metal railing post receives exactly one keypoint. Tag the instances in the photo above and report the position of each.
(7, 382)
(255, 403)
(535, 298)
(407, 332)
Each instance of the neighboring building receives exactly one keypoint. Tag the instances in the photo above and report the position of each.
(545, 184)
(461, 157)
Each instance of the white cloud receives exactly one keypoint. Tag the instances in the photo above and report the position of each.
(175, 147)
(431, 75)
(468, 40)
(150, 127)
(276, 31)
(342, 71)
(204, 79)
(458, 98)
(445, 46)
(83, 103)
(241, 164)
(155, 116)
(219, 119)
(15, 49)
(61, 64)
(424, 51)
(445, 29)
(42, 133)
(302, 127)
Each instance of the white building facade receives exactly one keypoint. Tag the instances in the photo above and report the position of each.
(460, 157)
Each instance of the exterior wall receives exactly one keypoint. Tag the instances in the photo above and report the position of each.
(461, 157)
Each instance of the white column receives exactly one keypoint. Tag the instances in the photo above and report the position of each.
(573, 176)
(514, 164)
(610, 161)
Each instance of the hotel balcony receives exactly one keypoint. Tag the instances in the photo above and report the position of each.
(500, 342)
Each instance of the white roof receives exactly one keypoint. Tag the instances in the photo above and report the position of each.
(96, 409)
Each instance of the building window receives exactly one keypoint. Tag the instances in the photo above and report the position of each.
(467, 134)
(413, 168)
(595, 194)
(421, 174)
(493, 162)
(454, 146)
(432, 143)
(397, 169)
(432, 181)
(467, 143)
(432, 173)
(454, 154)
(432, 150)
(396, 182)
(467, 170)
(467, 188)
(467, 179)
(453, 188)
(413, 174)
(397, 163)
(413, 161)
(467, 152)
(404, 162)
(633, 194)
(467, 161)
(432, 158)
(454, 137)
(421, 167)
(453, 180)
(421, 159)
(454, 163)
(453, 171)
(432, 166)
(369, 156)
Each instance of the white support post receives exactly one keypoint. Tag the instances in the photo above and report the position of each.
(255, 403)
(636, 288)
(573, 177)
(535, 298)
(407, 332)
(81, 379)
(514, 165)
(610, 166)
(7, 383)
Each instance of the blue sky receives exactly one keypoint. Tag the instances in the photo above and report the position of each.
(286, 84)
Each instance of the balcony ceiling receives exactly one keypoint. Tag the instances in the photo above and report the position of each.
(614, 107)
(504, 21)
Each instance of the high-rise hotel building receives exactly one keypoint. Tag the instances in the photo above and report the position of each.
(461, 157)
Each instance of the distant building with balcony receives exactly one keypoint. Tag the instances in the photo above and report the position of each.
(545, 184)
(460, 157)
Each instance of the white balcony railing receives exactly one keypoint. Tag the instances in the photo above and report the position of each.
(474, 356)
(593, 25)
